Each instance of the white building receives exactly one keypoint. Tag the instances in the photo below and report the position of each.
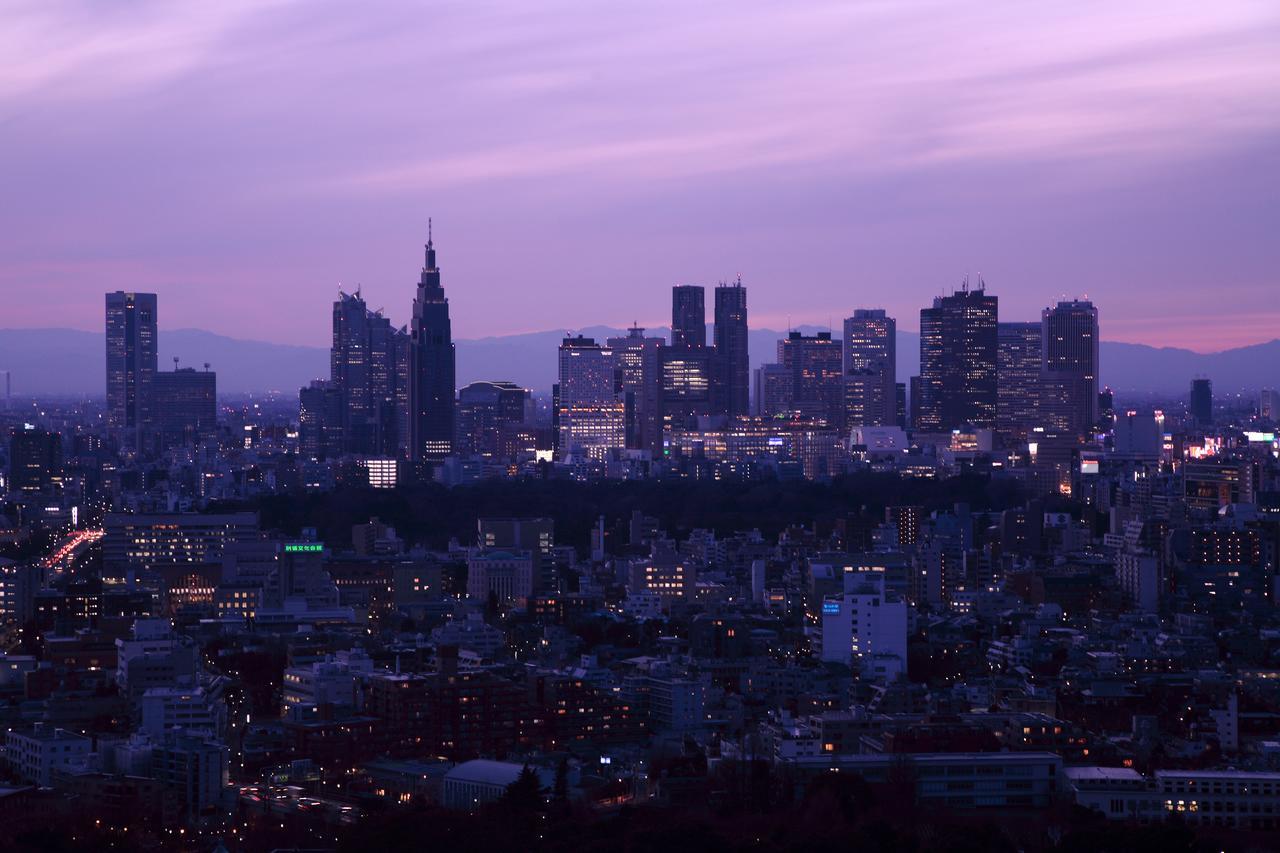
(865, 628)
(471, 784)
(166, 709)
(36, 755)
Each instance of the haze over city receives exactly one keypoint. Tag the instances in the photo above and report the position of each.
(243, 159)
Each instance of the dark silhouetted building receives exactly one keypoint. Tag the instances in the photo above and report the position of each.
(688, 316)
(958, 346)
(1201, 401)
(733, 377)
(1069, 371)
(320, 420)
(131, 363)
(432, 368)
(185, 405)
(816, 384)
(35, 458)
(484, 410)
(364, 365)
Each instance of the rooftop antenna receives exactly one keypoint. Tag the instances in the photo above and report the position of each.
(175, 364)
(206, 367)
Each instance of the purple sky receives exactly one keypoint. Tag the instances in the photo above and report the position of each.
(244, 158)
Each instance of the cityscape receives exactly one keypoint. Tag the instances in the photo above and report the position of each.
(916, 578)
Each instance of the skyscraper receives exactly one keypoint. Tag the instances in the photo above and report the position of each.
(131, 363)
(958, 345)
(186, 405)
(688, 316)
(1069, 370)
(432, 376)
(1018, 379)
(590, 414)
(364, 367)
(320, 420)
(639, 361)
(733, 374)
(1201, 401)
(817, 388)
(35, 458)
(485, 409)
(869, 365)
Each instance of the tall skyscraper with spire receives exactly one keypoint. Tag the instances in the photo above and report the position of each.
(432, 368)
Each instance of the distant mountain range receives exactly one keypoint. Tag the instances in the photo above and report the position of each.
(71, 362)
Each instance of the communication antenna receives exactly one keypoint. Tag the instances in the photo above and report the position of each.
(175, 364)
(206, 367)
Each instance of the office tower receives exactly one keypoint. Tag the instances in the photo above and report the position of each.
(131, 363)
(869, 354)
(485, 410)
(1201, 401)
(1106, 410)
(958, 345)
(688, 316)
(320, 421)
(1269, 405)
(1069, 370)
(900, 393)
(185, 405)
(817, 388)
(639, 361)
(773, 391)
(913, 402)
(686, 385)
(35, 458)
(591, 417)
(432, 368)
(1018, 361)
(731, 355)
(365, 367)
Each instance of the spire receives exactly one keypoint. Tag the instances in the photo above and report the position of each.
(431, 252)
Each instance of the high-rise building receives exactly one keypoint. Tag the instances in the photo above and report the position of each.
(1269, 405)
(773, 390)
(958, 346)
(869, 353)
(817, 387)
(732, 358)
(639, 361)
(1069, 371)
(687, 385)
(35, 458)
(185, 405)
(1018, 378)
(320, 420)
(591, 417)
(688, 316)
(364, 365)
(1201, 401)
(131, 363)
(484, 410)
(432, 378)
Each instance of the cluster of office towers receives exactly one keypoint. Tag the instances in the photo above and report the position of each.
(976, 373)
(391, 391)
(624, 393)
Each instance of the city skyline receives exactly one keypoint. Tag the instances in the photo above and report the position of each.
(1130, 159)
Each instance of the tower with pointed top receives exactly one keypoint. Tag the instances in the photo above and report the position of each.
(432, 373)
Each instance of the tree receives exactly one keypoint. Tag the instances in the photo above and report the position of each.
(524, 795)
